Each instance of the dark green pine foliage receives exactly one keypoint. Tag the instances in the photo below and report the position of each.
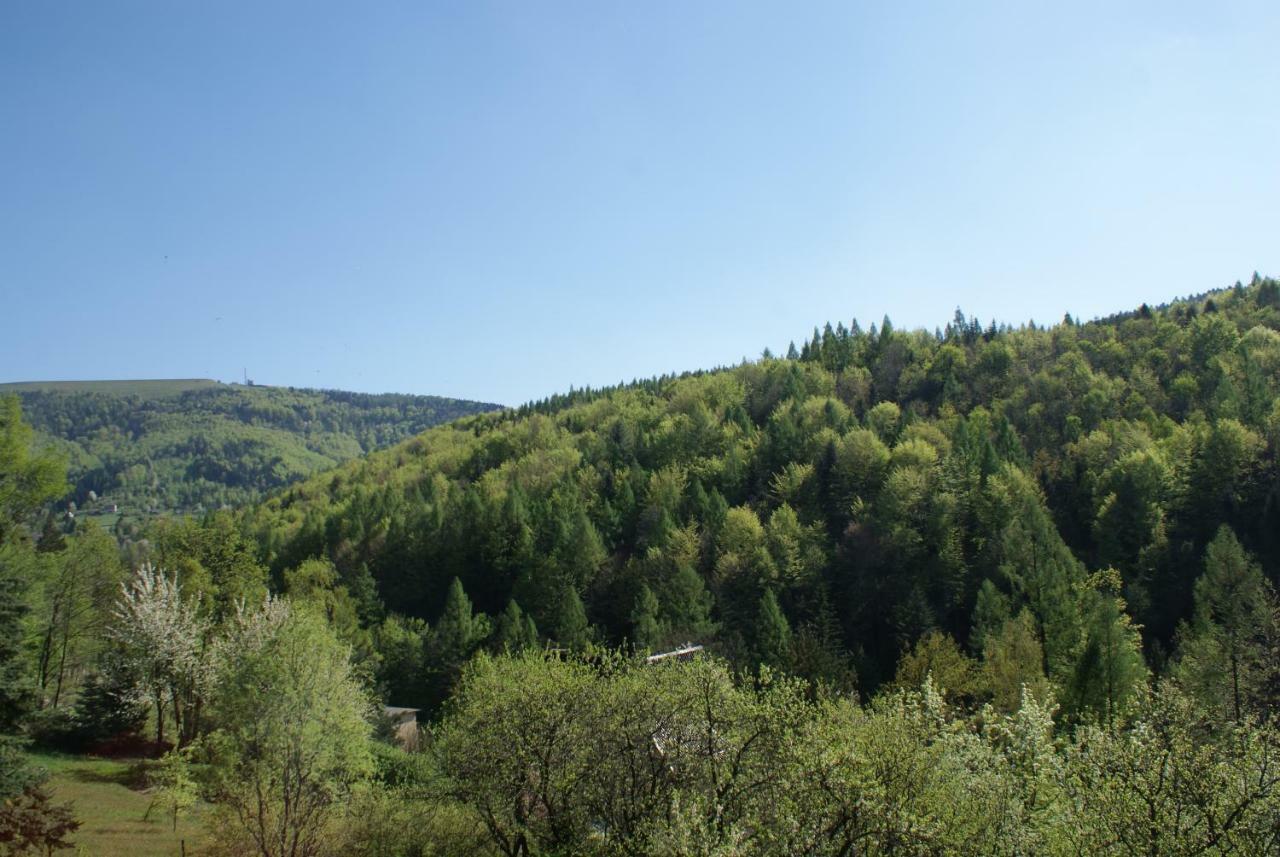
(1228, 651)
(572, 629)
(1110, 669)
(515, 630)
(772, 633)
(454, 638)
(52, 539)
(687, 610)
(17, 691)
(647, 631)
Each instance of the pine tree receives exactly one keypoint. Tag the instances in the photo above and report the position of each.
(572, 629)
(1110, 668)
(1225, 651)
(990, 612)
(516, 631)
(772, 633)
(453, 640)
(1013, 663)
(17, 692)
(687, 607)
(51, 538)
(646, 629)
(455, 630)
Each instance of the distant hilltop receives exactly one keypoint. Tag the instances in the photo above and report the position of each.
(145, 388)
(140, 448)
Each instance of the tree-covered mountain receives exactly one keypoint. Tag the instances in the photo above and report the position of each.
(1039, 499)
(139, 447)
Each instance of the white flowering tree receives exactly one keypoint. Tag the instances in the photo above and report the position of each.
(166, 638)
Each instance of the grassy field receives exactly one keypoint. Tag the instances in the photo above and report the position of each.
(110, 805)
(157, 389)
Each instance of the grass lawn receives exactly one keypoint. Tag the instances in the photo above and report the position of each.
(110, 807)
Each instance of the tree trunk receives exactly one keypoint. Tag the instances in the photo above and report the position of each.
(159, 700)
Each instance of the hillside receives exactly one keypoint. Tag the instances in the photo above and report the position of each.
(988, 590)
(140, 447)
(831, 509)
(143, 389)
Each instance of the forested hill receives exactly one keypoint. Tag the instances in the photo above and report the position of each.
(140, 447)
(1016, 489)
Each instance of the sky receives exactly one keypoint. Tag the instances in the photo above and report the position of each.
(498, 201)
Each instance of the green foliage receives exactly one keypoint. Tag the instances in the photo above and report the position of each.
(175, 787)
(883, 485)
(291, 738)
(1013, 664)
(75, 591)
(31, 823)
(148, 447)
(772, 633)
(937, 659)
(28, 478)
(1110, 671)
(980, 524)
(1162, 786)
(647, 630)
(17, 688)
(572, 628)
(555, 756)
(1228, 650)
(515, 630)
(401, 644)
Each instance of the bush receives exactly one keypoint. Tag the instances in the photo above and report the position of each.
(105, 717)
(32, 822)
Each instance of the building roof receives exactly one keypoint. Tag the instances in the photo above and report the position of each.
(688, 650)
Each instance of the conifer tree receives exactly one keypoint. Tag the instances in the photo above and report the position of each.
(687, 611)
(1110, 668)
(1226, 653)
(456, 631)
(646, 629)
(772, 633)
(453, 640)
(572, 629)
(1013, 663)
(17, 692)
(515, 631)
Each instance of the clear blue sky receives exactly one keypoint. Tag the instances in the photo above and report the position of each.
(498, 201)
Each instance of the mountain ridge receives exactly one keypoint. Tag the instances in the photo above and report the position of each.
(137, 448)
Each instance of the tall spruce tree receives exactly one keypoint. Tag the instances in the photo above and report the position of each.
(515, 631)
(1226, 653)
(772, 633)
(646, 629)
(572, 629)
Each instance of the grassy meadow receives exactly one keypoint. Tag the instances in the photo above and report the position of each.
(110, 801)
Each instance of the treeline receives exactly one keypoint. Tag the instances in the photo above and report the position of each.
(218, 445)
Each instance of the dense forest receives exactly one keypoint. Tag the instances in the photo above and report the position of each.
(827, 511)
(147, 447)
(986, 590)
